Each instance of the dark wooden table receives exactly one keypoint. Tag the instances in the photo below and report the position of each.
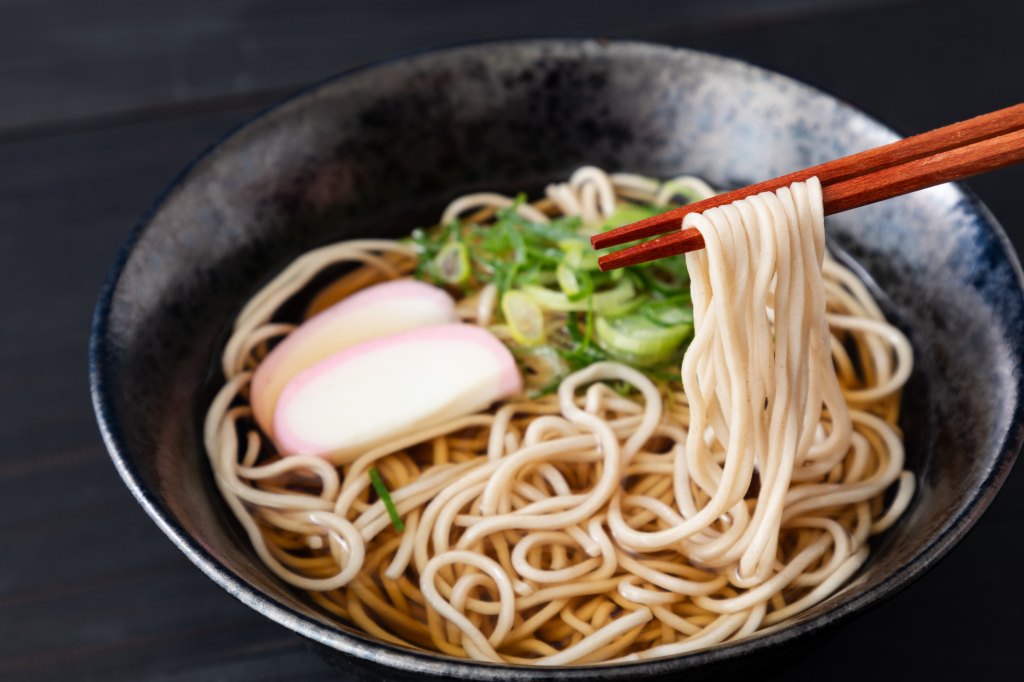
(102, 102)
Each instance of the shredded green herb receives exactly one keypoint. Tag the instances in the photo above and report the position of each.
(385, 497)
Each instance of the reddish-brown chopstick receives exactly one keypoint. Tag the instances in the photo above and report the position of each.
(954, 152)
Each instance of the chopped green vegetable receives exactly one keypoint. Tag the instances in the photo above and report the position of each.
(554, 300)
(452, 263)
(630, 213)
(602, 300)
(578, 254)
(524, 317)
(638, 341)
(385, 497)
(575, 284)
(582, 352)
(669, 312)
(668, 278)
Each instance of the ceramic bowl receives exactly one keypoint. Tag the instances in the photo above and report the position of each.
(381, 149)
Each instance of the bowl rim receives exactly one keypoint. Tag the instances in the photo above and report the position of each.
(384, 654)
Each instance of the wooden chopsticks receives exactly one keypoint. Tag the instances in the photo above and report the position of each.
(957, 151)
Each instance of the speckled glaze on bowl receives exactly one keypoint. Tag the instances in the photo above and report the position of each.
(381, 149)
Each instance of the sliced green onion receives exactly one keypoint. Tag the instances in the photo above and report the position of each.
(611, 300)
(583, 353)
(552, 300)
(524, 317)
(544, 254)
(638, 341)
(385, 497)
(628, 212)
(669, 312)
(619, 308)
(573, 327)
(578, 254)
(575, 284)
(615, 297)
(452, 263)
(545, 273)
(559, 229)
(667, 279)
(536, 275)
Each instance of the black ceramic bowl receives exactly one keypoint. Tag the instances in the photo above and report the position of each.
(379, 150)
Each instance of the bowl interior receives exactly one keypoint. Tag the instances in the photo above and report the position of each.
(381, 150)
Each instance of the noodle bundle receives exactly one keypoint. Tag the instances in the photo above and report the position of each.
(621, 517)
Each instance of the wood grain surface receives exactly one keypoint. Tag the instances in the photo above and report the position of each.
(103, 102)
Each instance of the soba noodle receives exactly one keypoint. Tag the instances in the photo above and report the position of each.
(594, 524)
